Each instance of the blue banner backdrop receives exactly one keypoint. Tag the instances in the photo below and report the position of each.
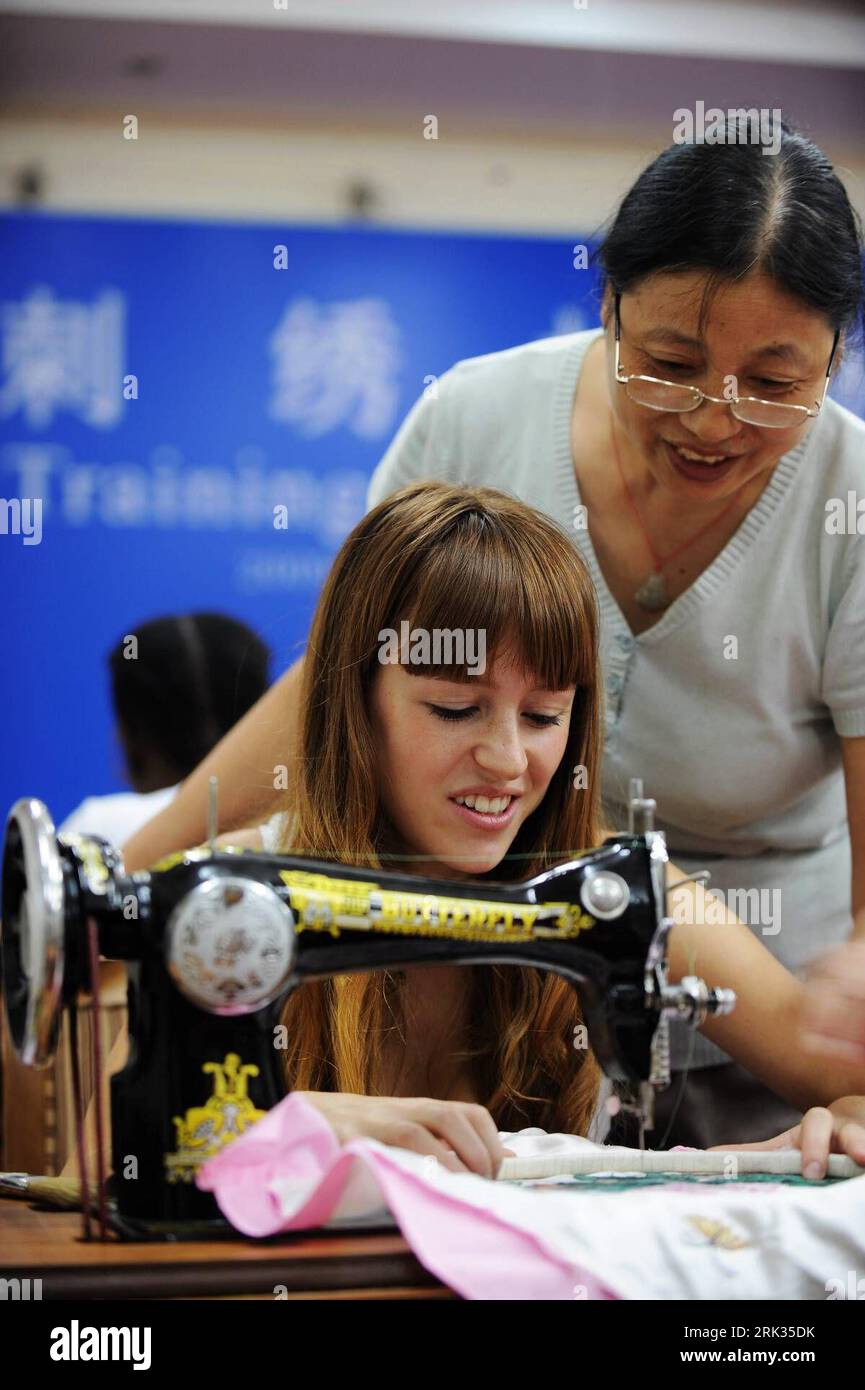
(162, 386)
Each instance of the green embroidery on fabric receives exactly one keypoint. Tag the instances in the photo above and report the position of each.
(615, 1182)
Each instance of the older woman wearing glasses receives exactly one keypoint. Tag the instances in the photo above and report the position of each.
(689, 448)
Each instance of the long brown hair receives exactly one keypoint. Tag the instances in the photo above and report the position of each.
(447, 557)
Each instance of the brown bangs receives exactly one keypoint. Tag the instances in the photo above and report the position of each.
(521, 585)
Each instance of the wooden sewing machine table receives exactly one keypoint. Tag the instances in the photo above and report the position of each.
(37, 1243)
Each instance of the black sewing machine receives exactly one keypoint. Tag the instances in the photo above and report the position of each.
(216, 938)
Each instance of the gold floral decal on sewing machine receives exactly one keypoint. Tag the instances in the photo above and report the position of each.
(92, 860)
(322, 903)
(207, 1128)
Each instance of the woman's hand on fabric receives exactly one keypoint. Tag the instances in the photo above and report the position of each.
(838, 1128)
(461, 1135)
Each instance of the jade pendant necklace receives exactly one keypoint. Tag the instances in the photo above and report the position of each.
(653, 594)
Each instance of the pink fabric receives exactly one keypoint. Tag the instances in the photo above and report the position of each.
(475, 1252)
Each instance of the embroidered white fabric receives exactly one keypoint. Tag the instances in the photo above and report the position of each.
(736, 1240)
(542, 1155)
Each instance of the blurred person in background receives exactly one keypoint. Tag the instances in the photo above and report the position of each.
(178, 684)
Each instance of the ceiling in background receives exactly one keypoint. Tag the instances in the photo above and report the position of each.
(85, 58)
(831, 34)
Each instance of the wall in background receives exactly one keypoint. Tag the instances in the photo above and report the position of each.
(239, 168)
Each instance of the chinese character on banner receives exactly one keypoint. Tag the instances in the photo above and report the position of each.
(336, 364)
(63, 355)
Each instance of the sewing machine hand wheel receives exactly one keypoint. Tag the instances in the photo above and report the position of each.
(33, 954)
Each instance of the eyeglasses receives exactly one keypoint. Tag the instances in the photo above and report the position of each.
(657, 394)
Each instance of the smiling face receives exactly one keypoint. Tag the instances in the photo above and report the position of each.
(776, 348)
(494, 742)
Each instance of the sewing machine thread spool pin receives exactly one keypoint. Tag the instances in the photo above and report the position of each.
(641, 810)
(701, 876)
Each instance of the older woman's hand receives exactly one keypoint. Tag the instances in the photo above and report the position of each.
(832, 1020)
(838, 1128)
